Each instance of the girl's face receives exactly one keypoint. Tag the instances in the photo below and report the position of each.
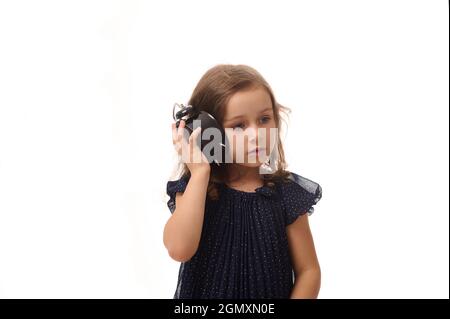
(247, 121)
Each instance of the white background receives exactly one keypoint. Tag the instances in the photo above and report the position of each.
(86, 90)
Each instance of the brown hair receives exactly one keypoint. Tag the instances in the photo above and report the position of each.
(212, 93)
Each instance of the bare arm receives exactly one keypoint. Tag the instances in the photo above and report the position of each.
(305, 263)
(182, 231)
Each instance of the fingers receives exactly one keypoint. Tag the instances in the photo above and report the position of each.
(194, 135)
(196, 142)
(174, 137)
(181, 129)
(189, 149)
(194, 147)
(174, 132)
(177, 136)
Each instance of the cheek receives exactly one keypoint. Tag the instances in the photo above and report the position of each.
(266, 138)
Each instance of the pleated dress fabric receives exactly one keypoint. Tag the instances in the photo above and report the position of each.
(243, 251)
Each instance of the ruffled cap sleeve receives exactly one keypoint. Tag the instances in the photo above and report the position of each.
(299, 195)
(172, 188)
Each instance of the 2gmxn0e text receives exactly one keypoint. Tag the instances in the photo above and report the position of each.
(246, 308)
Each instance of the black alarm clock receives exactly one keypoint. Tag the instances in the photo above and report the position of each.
(214, 146)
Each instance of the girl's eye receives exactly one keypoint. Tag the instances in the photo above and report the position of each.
(265, 119)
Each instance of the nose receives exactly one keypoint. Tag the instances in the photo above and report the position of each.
(252, 133)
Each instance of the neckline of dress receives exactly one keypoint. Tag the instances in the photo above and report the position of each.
(238, 191)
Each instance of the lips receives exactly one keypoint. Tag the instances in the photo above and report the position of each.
(256, 151)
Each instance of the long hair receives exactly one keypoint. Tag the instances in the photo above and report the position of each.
(213, 92)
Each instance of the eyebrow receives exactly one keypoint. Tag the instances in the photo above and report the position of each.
(239, 116)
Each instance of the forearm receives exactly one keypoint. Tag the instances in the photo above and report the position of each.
(182, 231)
(307, 285)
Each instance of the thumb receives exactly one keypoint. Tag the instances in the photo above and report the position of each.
(196, 132)
(194, 136)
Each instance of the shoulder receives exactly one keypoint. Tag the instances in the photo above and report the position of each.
(178, 185)
(298, 195)
(297, 184)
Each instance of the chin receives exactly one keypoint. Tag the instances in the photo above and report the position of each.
(250, 165)
(252, 162)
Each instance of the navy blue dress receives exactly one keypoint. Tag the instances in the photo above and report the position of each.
(243, 250)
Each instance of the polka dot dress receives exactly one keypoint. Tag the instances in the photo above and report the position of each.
(243, 250)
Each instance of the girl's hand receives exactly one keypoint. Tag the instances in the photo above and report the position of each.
(190, 152)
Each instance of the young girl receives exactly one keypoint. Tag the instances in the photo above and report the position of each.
(238, 233)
